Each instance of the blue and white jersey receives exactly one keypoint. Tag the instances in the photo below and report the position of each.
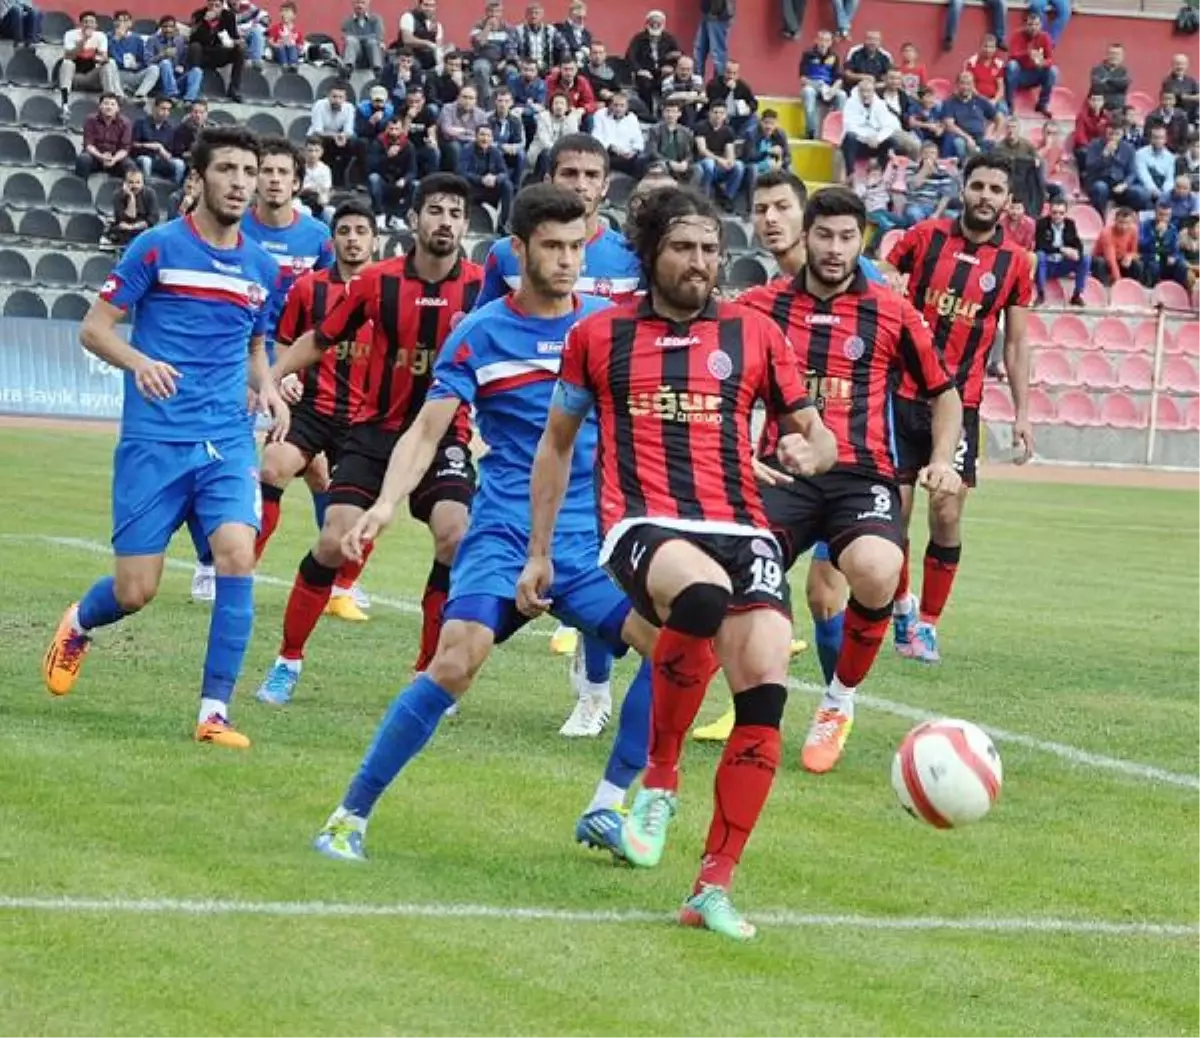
(301, 246)
(610, 269)
(196, 307)
(505, 363)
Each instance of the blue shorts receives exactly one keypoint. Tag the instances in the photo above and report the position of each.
(484, 578)
(157, 486)
(820, 552)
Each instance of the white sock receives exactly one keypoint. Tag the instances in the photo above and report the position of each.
(76, 626)
(205, 571)
(293, 665)
(208, 707)
(341, 592)
(599, 690)
(838, 697)
(342, 815)
(606, 798)
(904, 606)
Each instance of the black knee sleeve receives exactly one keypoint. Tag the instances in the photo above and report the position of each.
(699, 610)
(867, 613)
(760, 706)
(315, 574)
(270, 492)
(943, 554)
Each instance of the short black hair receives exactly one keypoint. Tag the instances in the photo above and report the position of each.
(576, 144)
(108, 95)
(341, 85)
(544, 203)
(87, 12)
(988, 160)
(167, 18)
(282, 146)
(120, 13)
(163, 99)
(213, 138)
(768, 113)
(658, 212)
(441, 184)
(784, 178)
(353, 207)
(834, 201)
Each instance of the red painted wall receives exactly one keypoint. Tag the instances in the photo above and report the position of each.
(768, 61)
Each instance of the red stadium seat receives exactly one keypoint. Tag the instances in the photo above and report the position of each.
(1113, 335)
(1041, 407)
(1178, 376)
(1075, 407)
(1068, 180)
(888, 241)
(942, 88)
(1172, 296)
(1056, 294)
(1122, 412)
(1168, 416)
(1095, 372)
(1141, 102)
(1145, 338)
(1127, 294)
(1191, 415)
(1038, 333)
(1063, 103)
(1024, 105)
(1070, 333)
(1087, 220)
(1188, 339)
(1095, 294)
(832, 130)
(996, 405)
(1135, 372)
(1053, 368)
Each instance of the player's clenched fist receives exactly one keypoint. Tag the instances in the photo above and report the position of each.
(370, 525)
(291, 389)
(155, 379)
(274, 407)
(534, 583)
(800, 455)
(940, 478)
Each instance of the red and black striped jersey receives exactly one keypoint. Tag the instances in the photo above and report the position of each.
(410, 320)
(674, 404)
(962, 288)
(336, 386)
(850, 348)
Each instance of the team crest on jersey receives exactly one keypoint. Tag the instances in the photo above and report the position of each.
(602, 287)
(109, 286)
(256, 296)
(854, 347)
(298, 265)
(455, 455)
(720, 365)
(988, 281)
(763, 549)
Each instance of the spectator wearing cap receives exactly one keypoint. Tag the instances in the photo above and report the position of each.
(712, 35)
(650, 52)
(423, 34)
(508, 134)
(1060, 252)
(1158, 247)
(458, 126)
(362, 38)
(820, 83)
(576, 36)
(739, 99)
(1116, 252)
(1031, 64)
(1155, 165)
(1184, 87)
(673, 145)
(868, 59)
(214, 43)
(372, 115)
(1110, 78)
(618, 129)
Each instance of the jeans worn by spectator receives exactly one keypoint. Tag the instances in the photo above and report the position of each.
(218, 57)
(712, 38)
(1057, 25)
(286, 54)
(1017, 78)
(255, 37)
(1061, 267)
(387, 199)
(168, 80)
(997, 9)
(168, 169)
(843, 13)
(1100, 193)
(22, 24)
(811, 98)
(714, 177)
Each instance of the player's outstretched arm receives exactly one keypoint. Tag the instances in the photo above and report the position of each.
(939, 476)
(301, 354)
(155, 379)
(411, 457)
(269, 397)
(807, 447)
(1016, 363)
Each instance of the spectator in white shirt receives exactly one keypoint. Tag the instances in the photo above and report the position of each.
(318, 180)
(553, 124)
(869, 125)
(333, 121)
(618, 129)
(85, 64)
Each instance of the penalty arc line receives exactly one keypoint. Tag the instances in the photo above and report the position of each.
(780, 918)
(1072, 754)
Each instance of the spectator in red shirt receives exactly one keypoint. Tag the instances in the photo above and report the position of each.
(1031, 64)
(1091, 124)
(911, 69)
(1116, 252)
(578, 91)
(1019, 227)
(987, 69)
(107, 139)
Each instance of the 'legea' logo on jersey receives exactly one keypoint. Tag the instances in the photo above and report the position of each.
(550, 347)
(432, 301)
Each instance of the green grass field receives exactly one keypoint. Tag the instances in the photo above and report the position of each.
(1074, 622)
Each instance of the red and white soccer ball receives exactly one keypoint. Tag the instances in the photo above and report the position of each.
(947, 773)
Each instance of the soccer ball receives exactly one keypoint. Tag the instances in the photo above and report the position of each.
(947, 773)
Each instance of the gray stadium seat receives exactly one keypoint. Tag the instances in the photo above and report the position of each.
(55, 24)
(480, 250)
(104, 22)
(213, 85)
(163, 189)
(255, 87)
(24, 303)
(145, 26)
(620, 187)
(735, 235)
(6, 224)
(264, 124)
(222, 117)
(298, 131)
(40, 223)
(56, 269)
(26, 68)
(80, 109)
(14, 267)
(323, 87)
(70, 306)
(398, 244)
(106, 191)
(96, 270)
(55, 149)
(292, 89)
(8, 110)
(14, 148)
(479, 221)
(24, 191)
(40, 112)
(69, 194)
(747, 272)
(85, 228)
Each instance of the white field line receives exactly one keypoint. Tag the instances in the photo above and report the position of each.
(777, 918)
(1071, 754)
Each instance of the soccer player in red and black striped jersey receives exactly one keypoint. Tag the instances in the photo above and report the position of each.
(852, 337)
(411, 303)
(326, 396)
(962, 275)
(674, 379)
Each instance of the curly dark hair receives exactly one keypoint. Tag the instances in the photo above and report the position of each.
(658, 212)
(213, 138)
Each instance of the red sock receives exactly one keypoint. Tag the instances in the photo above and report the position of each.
(941, 564)
(902, 587)
(309, 597)
(742, 785)
(683, 665)
(271, 499)
(862, 634)
(350, 570)
(433, 604)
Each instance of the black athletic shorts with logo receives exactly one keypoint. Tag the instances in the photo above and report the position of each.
(837, 507)
(912, 422)
(754, 564)
(312, 434)
(358, 476)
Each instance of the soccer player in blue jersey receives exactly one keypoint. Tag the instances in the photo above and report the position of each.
(578, 163)
(299, 244)
(198, 292)
(504, 360)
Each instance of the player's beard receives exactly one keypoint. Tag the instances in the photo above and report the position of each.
(543, 284)
(439, 246)
(827, 278)
(226, 214)
(972, 221)
(688, 292)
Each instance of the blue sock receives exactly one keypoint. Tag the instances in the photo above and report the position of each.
(407, 726)
(99, 606)
(597, 660)
(320, 504)
(632, 744)
(228, 635)
(829, 643)
(199, 541)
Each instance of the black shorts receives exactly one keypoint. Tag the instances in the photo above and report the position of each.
(912, 422)
(366, 451)
(754, 565)
(312, 434)
(837, 507)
